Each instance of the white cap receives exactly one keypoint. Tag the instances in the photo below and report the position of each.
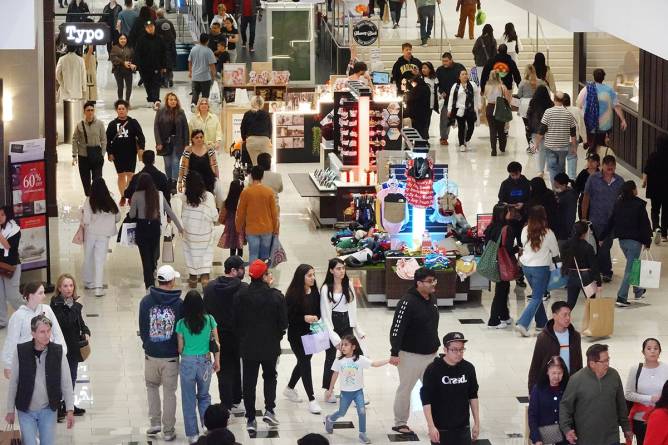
(167, 273)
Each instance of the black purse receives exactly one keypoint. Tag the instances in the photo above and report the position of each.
(93, 152)
(167, 147)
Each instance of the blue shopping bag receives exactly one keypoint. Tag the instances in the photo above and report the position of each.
(557, 280)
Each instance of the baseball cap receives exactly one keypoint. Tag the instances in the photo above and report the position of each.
(234, 262)
(257, 269)
(167, 273)
(149, 22)
(453, 336)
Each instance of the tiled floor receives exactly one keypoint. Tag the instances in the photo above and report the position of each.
(111, 382)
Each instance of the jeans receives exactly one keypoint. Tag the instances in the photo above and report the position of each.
(246, 22)
(195, 372)
(426, 15)
(161, 372)
(465, 127)
(302, 369)
(259, 246)
(9, 293)
(250, 370)
(95, 256)
(147, 238)
(496, 130)
(574, 286)
(42, 421)
(200, 87)
(152, 81)
(499, 311)
(572, 165)
(556, 161)
(444, 124)
(172, 162)
(229, 376)
(347, 398)
(540, 155)
(123, 77)
(659, 212)
(631, 249)
(88, 172)
(538, 278)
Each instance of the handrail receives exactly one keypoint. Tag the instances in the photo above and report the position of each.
(331, 34)
(444, 29)
(539, 27)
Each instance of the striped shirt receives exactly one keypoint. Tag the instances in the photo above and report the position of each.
(558, 125)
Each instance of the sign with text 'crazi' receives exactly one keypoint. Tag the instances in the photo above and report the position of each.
(86, 33)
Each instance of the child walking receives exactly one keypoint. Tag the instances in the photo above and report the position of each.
(350, 366)
(231, 239)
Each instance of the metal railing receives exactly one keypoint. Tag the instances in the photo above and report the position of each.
(537, 40)
(444, 30)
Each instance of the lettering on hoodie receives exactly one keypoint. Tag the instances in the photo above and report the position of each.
(446, 380)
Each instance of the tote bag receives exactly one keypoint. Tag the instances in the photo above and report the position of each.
(488, 265)
(645, 273)
(502, 111)
(598, 319)
(508, 267)
(277, 253)
(79, 236)
(10, 436)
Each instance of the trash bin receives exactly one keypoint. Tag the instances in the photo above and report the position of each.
(72, 115)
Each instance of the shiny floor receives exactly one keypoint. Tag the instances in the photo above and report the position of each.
(111, 384)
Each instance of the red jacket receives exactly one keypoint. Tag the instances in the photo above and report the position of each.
(657, 428)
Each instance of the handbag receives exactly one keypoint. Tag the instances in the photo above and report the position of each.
(84, 348)
(168, 245)
(488, 265)
(79, 236)
(557, 280)
(502, 111)
(7, 270)
(10, 436)
(394, 208)
(598, 319)
(590, 289)
(213, 344)
(93, 152)
(277, 254)
(480, 17)
(167, 147)
(645, 273)
(550, 434)
(508, 268)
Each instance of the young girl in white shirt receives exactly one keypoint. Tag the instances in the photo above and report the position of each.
(351, 365)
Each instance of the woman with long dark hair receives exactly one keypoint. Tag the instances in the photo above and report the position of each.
(657, 426)
(10, 262)
(303, 303)
(196, 332)
(100, 216)
(463, 106)
(123, 67)
(643, 387)
(512, 41)
(198, 215)
(198, 157)
(418, 105)
(539, 248)
(484, 48)
(545, 398)
(231, 238)
(151, 209)
(540, 195)
(338, 308)
(428, 73)
(630, 224)
(543, 72)
(578, 255)
(170, 128)
(499, 316)
(540, 102)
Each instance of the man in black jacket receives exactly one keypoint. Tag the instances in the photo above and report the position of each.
(405, 66)
(160, 179)
(150, 57)
(220, 296)
(414, 341)
(506, 67)
(261, 321)
(448, 75)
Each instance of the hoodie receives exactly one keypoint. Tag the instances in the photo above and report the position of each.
(515, 191)
(415, 325)
(402, 68)
(448, 389)
(158, 313)
(18, 330)
(507, 69)
(220, 296)
(629, 220)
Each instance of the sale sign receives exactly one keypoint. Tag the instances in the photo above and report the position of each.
(29, 188)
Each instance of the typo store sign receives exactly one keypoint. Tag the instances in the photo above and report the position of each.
(87, 33)
(365, 32)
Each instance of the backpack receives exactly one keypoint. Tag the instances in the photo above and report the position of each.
(591, 108)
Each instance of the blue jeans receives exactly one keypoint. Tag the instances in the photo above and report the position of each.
(540, 155)
(572, 165)
(556, 161)
(195, 372)
(172, 162)
(347, 398)
(42, 421)
(631, 249)
(259, 246)
(538, 277)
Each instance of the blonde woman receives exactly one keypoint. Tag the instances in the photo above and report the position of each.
(208, 122)
(494, 89)
(256, 129)
(171, 135)
(525, 91)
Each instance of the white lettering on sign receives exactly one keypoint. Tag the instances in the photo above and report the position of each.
(454, 380)
(86, 36)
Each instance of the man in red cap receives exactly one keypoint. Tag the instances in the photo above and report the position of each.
(261, 321)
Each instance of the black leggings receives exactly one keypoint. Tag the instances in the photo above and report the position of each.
(499, 311)
(639, 429)
(147, 238)
(465, 127)
(123, 78)
(659, 215)
(302, 369)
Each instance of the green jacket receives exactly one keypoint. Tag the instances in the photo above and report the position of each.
(594, 408)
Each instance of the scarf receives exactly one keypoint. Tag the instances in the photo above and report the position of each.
(468, 105)
(11, 229)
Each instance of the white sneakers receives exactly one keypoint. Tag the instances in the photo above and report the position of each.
(291, 395)
(462, 148)
(314, 407)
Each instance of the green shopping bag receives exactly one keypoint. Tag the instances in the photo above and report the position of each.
(488, 265)
(480, 17)
(634, 276)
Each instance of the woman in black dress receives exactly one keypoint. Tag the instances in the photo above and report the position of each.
(200, 158)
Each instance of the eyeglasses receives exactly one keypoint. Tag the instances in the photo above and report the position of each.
(434, 281)
(457, 350)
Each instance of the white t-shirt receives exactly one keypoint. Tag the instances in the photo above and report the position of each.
(350, 372)
(340, 303)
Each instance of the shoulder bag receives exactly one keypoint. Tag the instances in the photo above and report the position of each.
(7, 270)
(488, 265)
(502, 110)
(590, 289)
(508, 268)
(551, 434)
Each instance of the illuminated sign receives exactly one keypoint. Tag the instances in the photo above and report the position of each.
(86, 33)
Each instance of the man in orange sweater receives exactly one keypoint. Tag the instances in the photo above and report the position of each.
(257, 216)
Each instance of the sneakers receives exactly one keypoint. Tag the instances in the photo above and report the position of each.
(99, 292)
(637, 295)
(364, 438)
(192, 439)
(501, 325)
(168, 437)
(291, 395)
(522, 330)
(395, 26)
(251, 426)
(546, 296)
(462, 148)
(657, 236)
(152, 431)
(329, 425)
(332, 399)
(270, 418)
(444, 141)
(424, 43)
(314, 407)
(493, 152)
(606, 278)
(509, 322)
(79, 411)
(622, 303)
(238, 409)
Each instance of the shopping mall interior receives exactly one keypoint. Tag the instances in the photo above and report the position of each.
(313, 44)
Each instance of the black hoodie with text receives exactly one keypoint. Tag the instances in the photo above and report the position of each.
(448, 389)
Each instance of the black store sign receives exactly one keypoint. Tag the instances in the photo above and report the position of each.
(365, 32)
(86, 33)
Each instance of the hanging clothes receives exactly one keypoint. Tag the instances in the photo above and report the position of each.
(419, 183)
(393, 207)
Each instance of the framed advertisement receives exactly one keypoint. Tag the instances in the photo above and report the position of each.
(33, 249)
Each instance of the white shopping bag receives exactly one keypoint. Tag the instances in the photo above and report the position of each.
(650, 272)
(214, 94)
(315, 342)
(128, 234)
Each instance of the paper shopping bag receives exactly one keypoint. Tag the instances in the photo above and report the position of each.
(650, 272)
(128, 234)
(168, 245)
(599, 317)
(10, 436)
(314, 343)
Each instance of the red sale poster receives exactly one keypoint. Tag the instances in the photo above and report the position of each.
(29, 188)
(32, 247)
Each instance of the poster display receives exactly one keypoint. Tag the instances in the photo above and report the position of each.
(29, 188)
(236, 126)
(33, 245)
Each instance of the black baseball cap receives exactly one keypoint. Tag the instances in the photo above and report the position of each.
(234, 262)
(453, 336)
